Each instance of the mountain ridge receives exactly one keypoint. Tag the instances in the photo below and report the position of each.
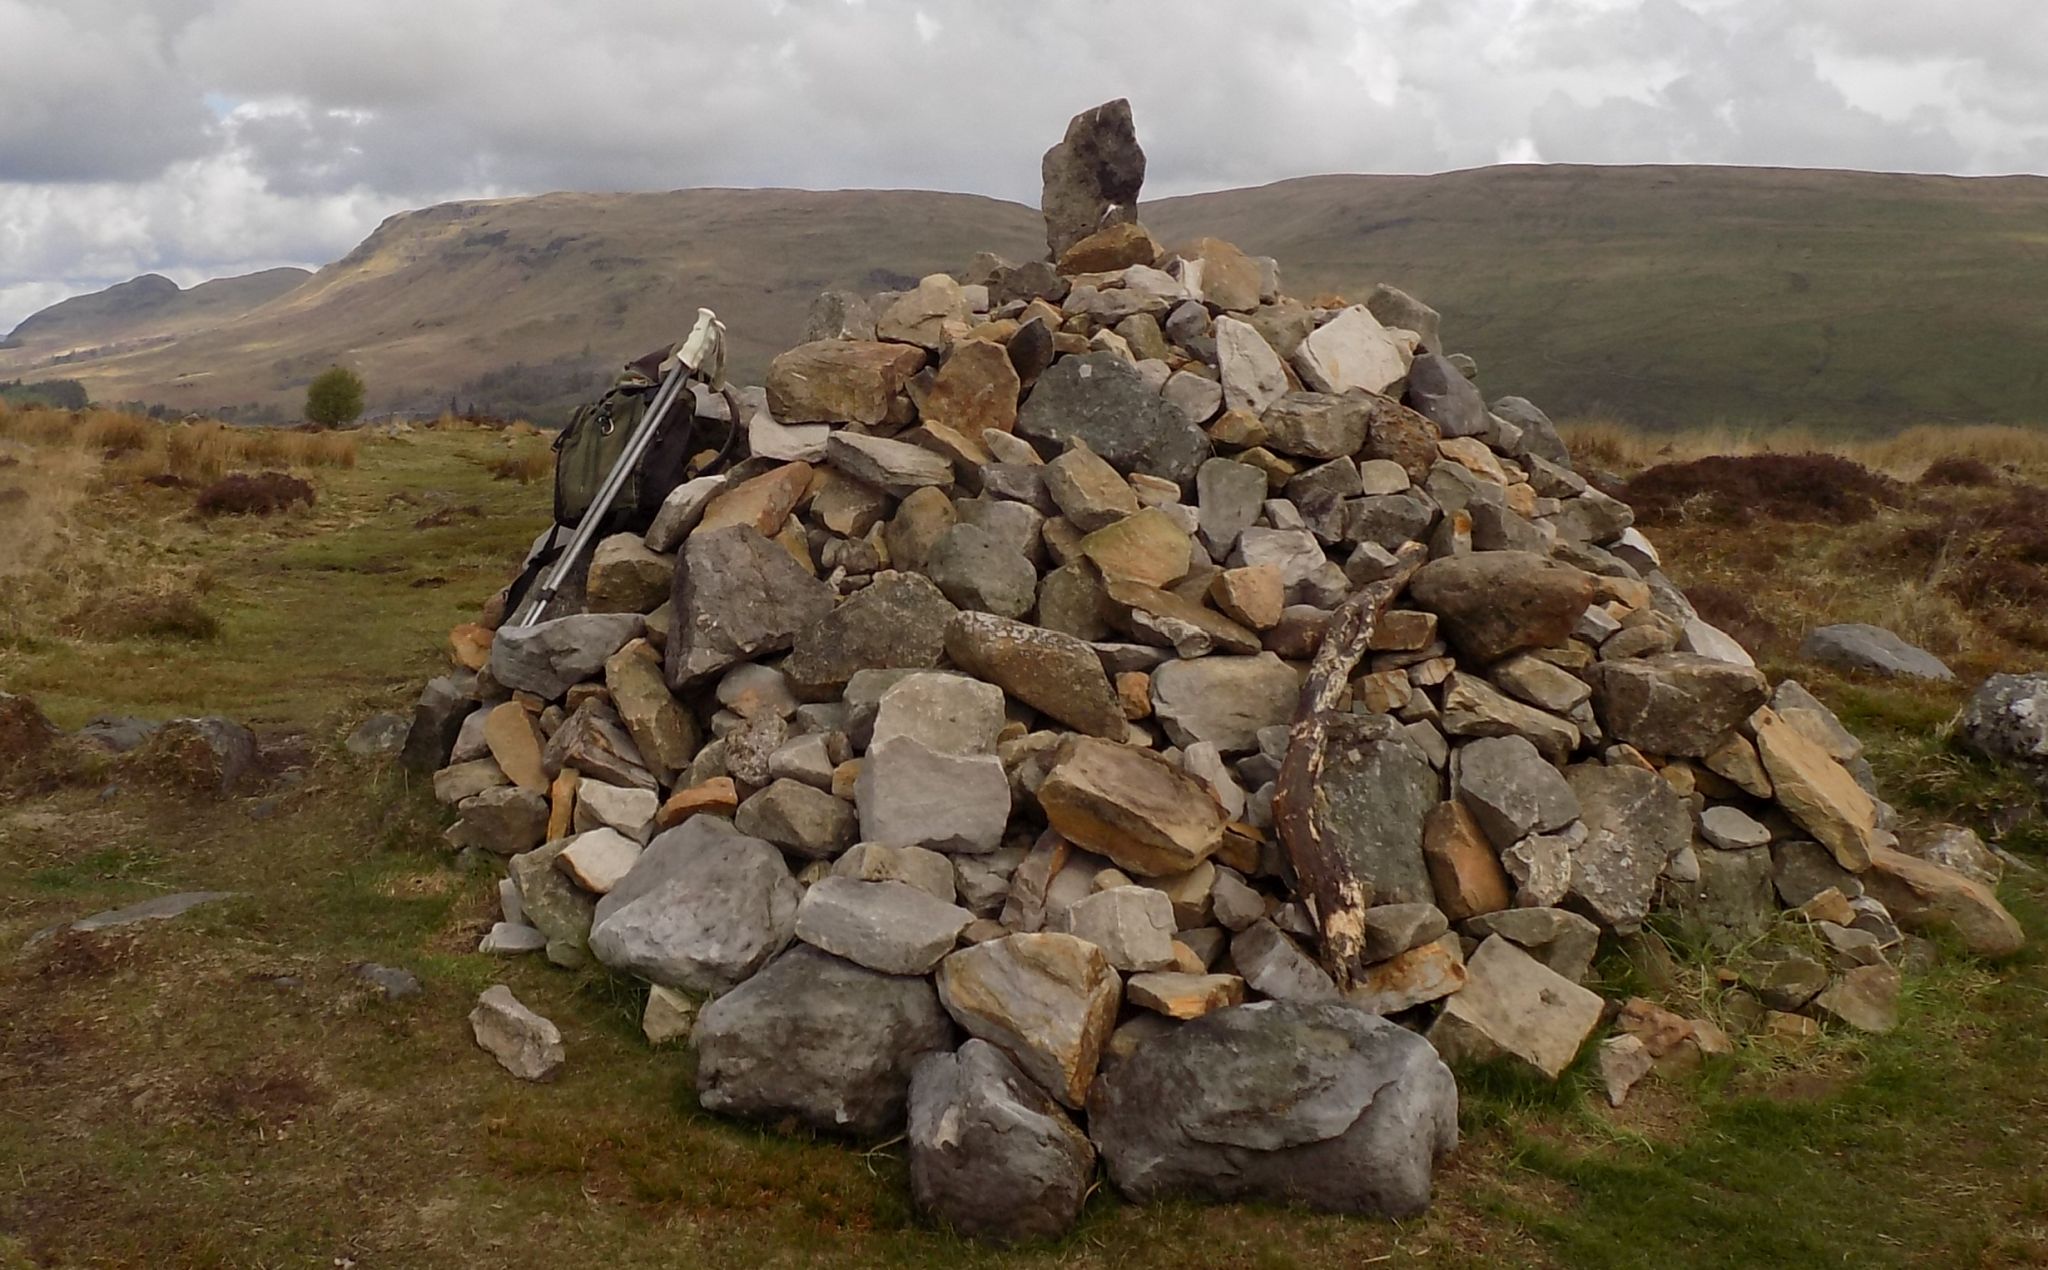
(149, 304)
(1666, 296)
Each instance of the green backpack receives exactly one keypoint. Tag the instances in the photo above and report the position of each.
(590, 446)
(597, 434)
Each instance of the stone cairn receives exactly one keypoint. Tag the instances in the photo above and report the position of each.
(1200, 701)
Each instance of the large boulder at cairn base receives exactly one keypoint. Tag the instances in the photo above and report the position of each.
(1295, 1102)
(991, 1154)
(819, 1039)
(2007, 720)
(1092, 177)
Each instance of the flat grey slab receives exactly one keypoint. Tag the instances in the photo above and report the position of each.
(162, 908)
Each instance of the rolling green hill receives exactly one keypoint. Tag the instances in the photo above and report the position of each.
(1684, 296)
(1665, 296)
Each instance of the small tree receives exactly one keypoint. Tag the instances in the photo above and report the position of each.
(334, 397)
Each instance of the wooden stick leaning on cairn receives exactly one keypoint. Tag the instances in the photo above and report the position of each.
(1335, 893)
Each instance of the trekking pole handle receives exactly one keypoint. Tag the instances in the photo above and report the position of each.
(702, 354)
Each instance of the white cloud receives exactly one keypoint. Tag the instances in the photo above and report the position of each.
(193, 137)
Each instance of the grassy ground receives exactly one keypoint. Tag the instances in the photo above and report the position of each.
(223, 1091)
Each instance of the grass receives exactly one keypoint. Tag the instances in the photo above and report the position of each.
(224, 1091)
(134, 448)
(281, 619)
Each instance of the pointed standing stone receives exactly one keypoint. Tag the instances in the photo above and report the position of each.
(1092, 177)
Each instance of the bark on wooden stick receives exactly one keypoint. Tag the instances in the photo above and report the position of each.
(1332, 887)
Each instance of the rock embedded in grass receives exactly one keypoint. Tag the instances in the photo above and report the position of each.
(523, 1042)
(1311, 1103)
(2007, 719)
(991, 1155)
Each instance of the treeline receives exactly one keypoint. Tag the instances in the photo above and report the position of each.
(55, 394)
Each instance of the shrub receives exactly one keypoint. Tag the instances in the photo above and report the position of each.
(1732, 489)
(170, 614)
(1991, 557)
(117, 434)
(335, 397)
(524, 468)
(1959, 471)
(261, 494)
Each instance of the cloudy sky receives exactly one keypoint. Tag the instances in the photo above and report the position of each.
(198, 138)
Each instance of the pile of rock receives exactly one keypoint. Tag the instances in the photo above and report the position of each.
(959, 706)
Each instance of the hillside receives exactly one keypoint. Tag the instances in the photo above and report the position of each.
(1690, 296)
(1665, 296)
(146, 308)
(528, 303)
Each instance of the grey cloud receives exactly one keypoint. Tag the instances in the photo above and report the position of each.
(89, 95)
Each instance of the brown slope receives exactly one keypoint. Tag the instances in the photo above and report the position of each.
(531, 302)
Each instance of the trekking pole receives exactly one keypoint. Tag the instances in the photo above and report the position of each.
(701, 357)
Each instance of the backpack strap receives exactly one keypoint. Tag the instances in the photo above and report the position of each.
(548, 553)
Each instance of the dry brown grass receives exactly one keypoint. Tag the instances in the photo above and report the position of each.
(1939, 534)
(1919, 570)
(162, 607)
(1734, 488)
(133, 448)
(1904, 455)
(38, 491)
(525, 468)
(75, 579)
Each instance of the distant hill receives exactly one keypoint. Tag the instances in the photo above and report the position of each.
(1692, 295)
(530, 303)
(1663, 295)
(145, 308)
